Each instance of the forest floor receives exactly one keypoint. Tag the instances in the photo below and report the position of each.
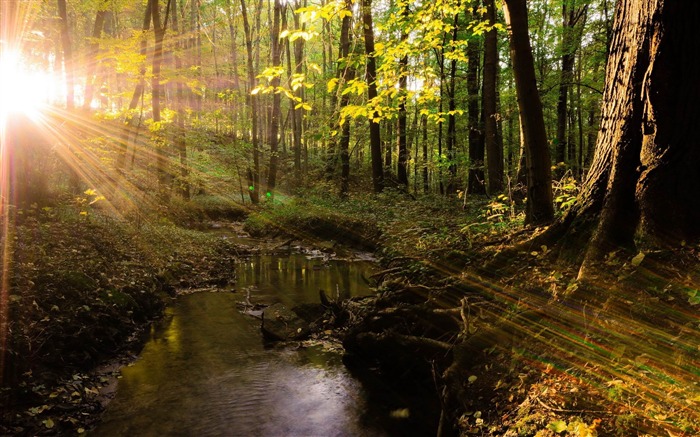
(83, 287)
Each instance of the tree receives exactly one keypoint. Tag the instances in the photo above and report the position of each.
(476, 182)
(572, 15)
(156, 88)
(494, 147)
(67, 54)
(276, 50)
(93, 58)
(371, 77)
(647, 151)
(539, 207)
(451, 113)
(254, 173)
(401, 128)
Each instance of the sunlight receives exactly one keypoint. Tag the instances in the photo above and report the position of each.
(23, 89)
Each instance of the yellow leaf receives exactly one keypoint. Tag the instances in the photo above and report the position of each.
(330, 86)
(637, 260)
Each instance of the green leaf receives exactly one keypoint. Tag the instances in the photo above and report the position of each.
(48, 423)
(472, 378)
(557, 426)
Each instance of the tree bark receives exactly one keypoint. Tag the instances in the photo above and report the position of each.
(371, 77)
(477, 179)
(451, 138)
(401, 126)
(539, 207)
(129, 125)
(254, 172)
(94, 49)
(67, 54)
(646, 156)
(276, 50)
(297, 114)
(156, 89)
(494, 147)
(571, 17)
(347, 74)
(180, 138)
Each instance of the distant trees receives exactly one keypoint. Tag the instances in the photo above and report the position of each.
(428, 101)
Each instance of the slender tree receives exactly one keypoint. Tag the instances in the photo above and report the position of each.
(476, 176)
(347, 72)
(401, 129)
(276, 49)
(67, 47)
(254, 172)
(493, 142)
(371, 77)
(539, 207)
(93, 58)
(573, 16)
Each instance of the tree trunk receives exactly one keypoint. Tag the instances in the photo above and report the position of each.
(494, 147)
(129, 125)
(401, 126)
(347, 72)
(253, 173)
(477, 179)
(571, 17)
(276, 98)
(159, 35)
(451, 143)
(539, 208)
(424, 129)
(371, 77)
(180, 139)
(67, 54)
(646, 155)
(297, 114)
(93, 58)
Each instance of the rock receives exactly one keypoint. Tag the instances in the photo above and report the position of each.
(281, 323)
(310, 312)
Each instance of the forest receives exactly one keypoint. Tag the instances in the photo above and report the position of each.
(349, 217)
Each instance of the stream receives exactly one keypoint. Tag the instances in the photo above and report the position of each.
(205, 370)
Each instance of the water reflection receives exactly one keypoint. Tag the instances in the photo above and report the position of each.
(206, 372)
(297, 278)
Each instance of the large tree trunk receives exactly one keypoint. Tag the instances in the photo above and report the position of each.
(647, 151)
(371, 77)
(539, 208)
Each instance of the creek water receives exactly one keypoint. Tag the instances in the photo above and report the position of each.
(205, 370)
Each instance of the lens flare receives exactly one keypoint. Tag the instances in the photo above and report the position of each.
(23, 89)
